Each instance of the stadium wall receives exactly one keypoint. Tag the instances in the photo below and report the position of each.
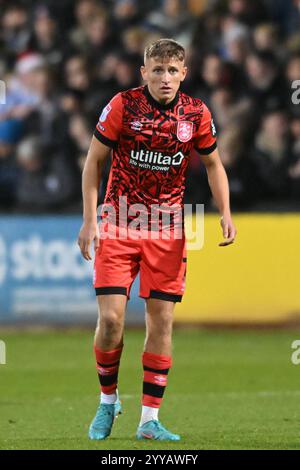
(256, 280)
(43, 278)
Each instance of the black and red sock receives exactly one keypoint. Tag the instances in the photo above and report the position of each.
(156, 369)
(108, 368)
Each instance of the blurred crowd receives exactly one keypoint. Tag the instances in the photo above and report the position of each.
(61, 61)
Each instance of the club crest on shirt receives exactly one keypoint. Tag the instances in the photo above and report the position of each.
(104, 113)
(184, 131)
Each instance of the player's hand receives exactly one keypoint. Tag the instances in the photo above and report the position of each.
(229, 230)
(87, 234)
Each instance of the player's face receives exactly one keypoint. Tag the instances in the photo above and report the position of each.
(163, 77)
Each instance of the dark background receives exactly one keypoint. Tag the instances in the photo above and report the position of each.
(63, 60)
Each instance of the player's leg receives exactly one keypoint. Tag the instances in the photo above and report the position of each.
(157, 360)
(108, 343)
(157, 357)
(159, 324)
(116, 265)
(163, 268)
(108, 346)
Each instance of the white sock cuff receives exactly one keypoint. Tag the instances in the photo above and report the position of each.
(109, 399)
(148, 414)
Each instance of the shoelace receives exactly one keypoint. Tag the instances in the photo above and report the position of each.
(160, 427)
(101, 416)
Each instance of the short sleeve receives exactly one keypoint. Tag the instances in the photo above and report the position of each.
(110, 122)
(205, 141)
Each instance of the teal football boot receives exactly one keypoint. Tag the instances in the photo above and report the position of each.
(155, 430)
(101, 425)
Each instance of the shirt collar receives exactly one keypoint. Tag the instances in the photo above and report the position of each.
(157, 104)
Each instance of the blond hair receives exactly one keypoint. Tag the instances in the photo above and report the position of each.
(165, 49)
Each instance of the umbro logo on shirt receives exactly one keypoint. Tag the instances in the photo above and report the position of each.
(136, 125)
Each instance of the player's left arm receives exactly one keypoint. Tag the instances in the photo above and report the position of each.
(218, 183)
(206, 144)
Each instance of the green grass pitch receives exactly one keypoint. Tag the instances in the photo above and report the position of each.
(227, 390)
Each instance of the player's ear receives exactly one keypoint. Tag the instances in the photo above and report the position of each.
(184, 72)
(143, 72)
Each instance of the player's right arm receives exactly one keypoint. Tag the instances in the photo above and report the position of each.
(91, 177)
(106, 136)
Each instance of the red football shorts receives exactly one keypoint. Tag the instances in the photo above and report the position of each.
(161, 264)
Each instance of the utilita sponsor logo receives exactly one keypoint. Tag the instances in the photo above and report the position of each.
(154, 161)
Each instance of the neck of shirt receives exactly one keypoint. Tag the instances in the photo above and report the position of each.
(157, 104)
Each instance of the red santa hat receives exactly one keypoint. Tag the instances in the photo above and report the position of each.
(28, 62)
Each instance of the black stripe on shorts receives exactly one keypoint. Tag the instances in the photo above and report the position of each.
(111, 290)
(156, 294)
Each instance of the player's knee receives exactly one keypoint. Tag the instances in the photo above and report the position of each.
(161, 326)
(165, 332)
(112, 323)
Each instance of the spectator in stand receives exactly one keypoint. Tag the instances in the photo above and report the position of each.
(292, 23)
(80, 133)
(171, 18)
(292, 77)
(80, 79)
(134, 40)
(240, 169)
(21, 96)
(266, 86)
(248, 12)
(9, 171)
(235, 40)
(227, 107)
(15, 28)
(47, 119)
(266, 38)
(271, 156)
(46, 182)
(208, 76)
(78, 74)
(294, 169)
(97, 37)
(125, 14)
(46, 38)
(126, 73)
(84, 11)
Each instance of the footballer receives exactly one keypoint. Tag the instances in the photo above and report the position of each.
(150, 132)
